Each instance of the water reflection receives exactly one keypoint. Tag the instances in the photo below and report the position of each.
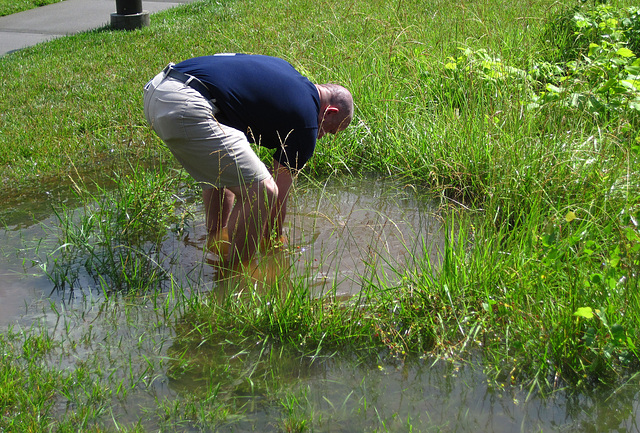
(348, 234)
(20, 284)
(350, 394)
(342, 235)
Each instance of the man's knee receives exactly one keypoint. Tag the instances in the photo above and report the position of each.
(269, 189)
(263, 191)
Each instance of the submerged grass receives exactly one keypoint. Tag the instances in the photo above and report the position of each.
(523, 120)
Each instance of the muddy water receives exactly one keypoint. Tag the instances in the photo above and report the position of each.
(341, 234)
(21, 283)
(348, 234)
(342, 396)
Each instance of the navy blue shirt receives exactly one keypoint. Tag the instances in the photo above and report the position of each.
(264, 97)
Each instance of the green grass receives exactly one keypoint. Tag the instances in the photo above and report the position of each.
(8, 7)
(502, 110)
(116, 235)
(81, 96)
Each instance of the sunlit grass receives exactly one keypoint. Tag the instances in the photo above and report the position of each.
(8, 7)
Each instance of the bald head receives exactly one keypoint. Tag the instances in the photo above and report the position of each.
(336, 108)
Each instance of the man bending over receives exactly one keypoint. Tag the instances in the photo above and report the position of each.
(209, 109)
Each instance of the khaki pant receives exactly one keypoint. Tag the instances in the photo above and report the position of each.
(214, 155)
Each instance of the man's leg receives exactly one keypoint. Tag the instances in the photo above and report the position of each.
(218, 203)
(249, 218)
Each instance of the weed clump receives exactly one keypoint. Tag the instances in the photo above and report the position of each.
(115, 237)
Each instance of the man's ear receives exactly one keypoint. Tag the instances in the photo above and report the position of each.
(331, 109)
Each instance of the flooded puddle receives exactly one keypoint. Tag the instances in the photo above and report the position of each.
(341, 235)
(339, 395)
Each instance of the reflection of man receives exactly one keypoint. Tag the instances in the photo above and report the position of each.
(208, 109)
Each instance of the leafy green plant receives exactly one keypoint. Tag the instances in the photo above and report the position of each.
(608, 344)
(601, 73)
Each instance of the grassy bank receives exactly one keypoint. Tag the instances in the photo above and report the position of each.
(81, 96)
(8, 7)
(521, 118)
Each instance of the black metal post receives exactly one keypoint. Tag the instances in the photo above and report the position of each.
(129, 15)
(128, 7)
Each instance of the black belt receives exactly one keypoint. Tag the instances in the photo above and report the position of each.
(189, 80)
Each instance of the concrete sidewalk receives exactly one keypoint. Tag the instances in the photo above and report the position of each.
(64, 18)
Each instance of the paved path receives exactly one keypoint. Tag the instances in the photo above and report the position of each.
(64, 18)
